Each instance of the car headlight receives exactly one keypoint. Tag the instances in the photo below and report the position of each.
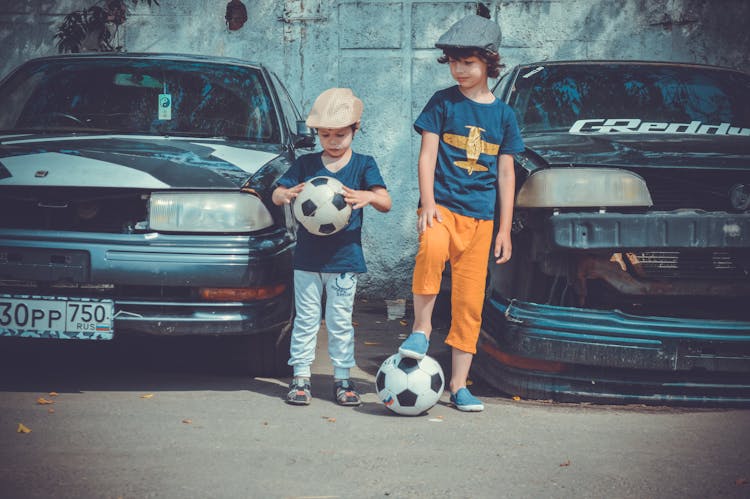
(583, 187)
(207, 212)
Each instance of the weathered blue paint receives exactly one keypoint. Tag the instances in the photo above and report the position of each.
(609, 356)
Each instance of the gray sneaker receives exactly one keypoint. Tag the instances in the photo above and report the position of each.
(346, 393)
(299, 392)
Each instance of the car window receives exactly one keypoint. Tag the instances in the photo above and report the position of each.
(555, 97)
(287, 106)
(140, 96)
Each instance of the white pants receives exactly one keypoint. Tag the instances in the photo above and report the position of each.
(308, 294)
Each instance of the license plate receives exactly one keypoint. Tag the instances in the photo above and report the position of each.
(64, 318)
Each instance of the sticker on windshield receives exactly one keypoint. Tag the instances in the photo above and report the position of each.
(165, 106)
(634, 125)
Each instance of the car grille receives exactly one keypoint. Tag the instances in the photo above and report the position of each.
(692, 265)
(687, 189)
(101, 210)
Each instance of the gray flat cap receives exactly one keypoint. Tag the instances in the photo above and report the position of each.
(472, 31)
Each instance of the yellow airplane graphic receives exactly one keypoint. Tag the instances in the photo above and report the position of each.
(474, 146)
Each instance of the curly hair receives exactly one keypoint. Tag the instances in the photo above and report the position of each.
(491, 59)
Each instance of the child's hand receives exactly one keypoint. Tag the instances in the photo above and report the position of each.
(426, 215)
(503, 247)
(358, 199)
(285, 195)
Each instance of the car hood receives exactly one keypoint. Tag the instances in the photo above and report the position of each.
(144, 162)
(637, 150)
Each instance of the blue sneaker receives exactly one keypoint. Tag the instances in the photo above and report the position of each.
(465, 401)
(415, 346)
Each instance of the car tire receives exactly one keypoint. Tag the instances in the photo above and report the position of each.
(262, 354)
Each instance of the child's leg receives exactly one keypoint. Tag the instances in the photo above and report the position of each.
(423, 306)
(434, 250)
(340, 291)
(460, 365)
(469, 276)
(308, 290)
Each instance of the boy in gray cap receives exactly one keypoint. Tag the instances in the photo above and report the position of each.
(465, 168)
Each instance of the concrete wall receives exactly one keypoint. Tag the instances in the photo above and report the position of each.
(384, 51)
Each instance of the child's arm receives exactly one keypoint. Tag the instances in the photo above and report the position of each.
(378, 197)
(427, 161)
(284, 195)
(506, 188)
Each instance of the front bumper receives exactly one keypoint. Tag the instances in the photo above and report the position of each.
(572, 355)
(140, 274)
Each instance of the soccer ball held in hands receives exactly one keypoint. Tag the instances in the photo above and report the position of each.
(321, 208)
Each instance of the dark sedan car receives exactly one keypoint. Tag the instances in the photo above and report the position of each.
(630, 277)
(135, 198)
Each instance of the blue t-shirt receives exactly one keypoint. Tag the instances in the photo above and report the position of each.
(472, 135)
(342, 251)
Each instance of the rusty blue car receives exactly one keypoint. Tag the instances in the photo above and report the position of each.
(630, 276)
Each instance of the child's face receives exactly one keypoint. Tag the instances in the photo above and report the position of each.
(336, 141)
(469, 71)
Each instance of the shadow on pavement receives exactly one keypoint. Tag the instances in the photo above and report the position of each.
(153, 363)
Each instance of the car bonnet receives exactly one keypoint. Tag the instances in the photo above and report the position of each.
(145, 162)
(641, 150)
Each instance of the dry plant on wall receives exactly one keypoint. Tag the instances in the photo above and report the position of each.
(94, 28)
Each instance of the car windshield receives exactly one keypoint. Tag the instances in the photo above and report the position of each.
(643, 97)
(139, 96)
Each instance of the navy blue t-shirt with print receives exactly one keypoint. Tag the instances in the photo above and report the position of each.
(342, 251)
(472, 135)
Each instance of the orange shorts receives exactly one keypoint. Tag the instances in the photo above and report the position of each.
(465, 242)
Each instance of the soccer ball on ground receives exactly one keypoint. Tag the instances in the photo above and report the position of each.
(321, 207)
(409, 386)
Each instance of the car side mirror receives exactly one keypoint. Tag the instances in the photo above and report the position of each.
(305, 136)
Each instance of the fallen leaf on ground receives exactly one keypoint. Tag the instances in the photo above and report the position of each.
(187, 421)
(566, 463)
(22, 428)
(147, 396)
(329, 419)
(44, 401)
(53, 394)
(516, 398)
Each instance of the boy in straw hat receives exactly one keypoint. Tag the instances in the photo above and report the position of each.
(465, 169)
(330, 264)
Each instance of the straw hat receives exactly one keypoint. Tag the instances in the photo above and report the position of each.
(335, 108)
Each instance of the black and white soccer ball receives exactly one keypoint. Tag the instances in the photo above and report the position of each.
(321, 207)
(409, 386)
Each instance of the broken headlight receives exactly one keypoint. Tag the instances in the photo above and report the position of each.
(583, 187)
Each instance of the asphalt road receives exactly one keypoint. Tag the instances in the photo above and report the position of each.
(132, 419)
